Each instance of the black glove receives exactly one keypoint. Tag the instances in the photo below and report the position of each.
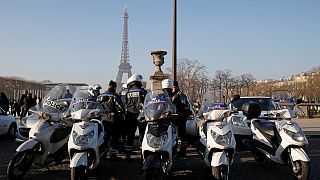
(175, 98)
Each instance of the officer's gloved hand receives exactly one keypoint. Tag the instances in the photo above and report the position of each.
(175, 98)
(166, 115)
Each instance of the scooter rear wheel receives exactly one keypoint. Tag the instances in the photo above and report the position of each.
(154, 174)
(79, 173)
(20, 164)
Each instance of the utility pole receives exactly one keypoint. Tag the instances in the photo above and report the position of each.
(174, 42)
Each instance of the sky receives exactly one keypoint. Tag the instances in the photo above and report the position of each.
(81, 40)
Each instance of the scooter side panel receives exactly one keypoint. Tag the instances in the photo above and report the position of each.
(27, 145)
(257, 135)
(299, 154)
(79, 159)
(219, 158)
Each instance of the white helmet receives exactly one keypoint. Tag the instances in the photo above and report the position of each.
(94, 90)
(134, 78)
(166, 83)
(140, 76)
(124, 86)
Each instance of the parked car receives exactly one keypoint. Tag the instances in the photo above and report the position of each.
(8, 125)
(191, 127)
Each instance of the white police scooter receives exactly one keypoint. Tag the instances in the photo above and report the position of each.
(85, 145)
(217, 143)
(278, 139)
(159, 145)
(47, 137)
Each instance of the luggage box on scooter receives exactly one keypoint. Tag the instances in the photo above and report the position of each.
(251, 110)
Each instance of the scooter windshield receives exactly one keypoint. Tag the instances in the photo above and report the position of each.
(284, 99)
(82, 100)
(157, 105)
(56, 101)
(212, 101)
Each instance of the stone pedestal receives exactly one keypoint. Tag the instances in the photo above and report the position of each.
(156, 81)
(158, 61)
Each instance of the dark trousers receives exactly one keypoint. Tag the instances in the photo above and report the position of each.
(131, 127)
(181, 126)
(13, 113)
(111, 135)
(23, 113)
(142, 128)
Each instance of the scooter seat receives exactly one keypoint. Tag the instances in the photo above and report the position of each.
(267, 128)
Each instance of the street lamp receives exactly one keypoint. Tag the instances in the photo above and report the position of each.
(174, 41)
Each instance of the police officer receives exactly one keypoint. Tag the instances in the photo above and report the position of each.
(94, 91)
(133, 103)
(180, 100)
(113, 110)
(67, 94)
(122, 124)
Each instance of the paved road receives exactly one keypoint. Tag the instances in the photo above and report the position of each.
(191, 167)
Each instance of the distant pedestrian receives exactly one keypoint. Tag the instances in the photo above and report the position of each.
(4, 102)
(15, 108)
(67, 94)
(30, 102)
(23, 104)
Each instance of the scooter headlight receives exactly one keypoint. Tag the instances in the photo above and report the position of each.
(156, 142)
(297, 136)
(237, 121)
(82, 140)
(223, 140)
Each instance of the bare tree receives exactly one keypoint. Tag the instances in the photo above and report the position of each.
(246, 81)
(192, 78)
(14, 86)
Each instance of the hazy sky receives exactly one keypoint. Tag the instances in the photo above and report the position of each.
(80, 40)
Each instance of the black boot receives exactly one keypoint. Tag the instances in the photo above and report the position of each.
(128, 156)
(182, 152)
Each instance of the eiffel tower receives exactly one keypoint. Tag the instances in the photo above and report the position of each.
(124, 66)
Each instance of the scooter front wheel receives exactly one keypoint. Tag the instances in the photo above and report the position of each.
(220, 172)
(300, 169)
(20, 164)
(154, 174)
(79, 173)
